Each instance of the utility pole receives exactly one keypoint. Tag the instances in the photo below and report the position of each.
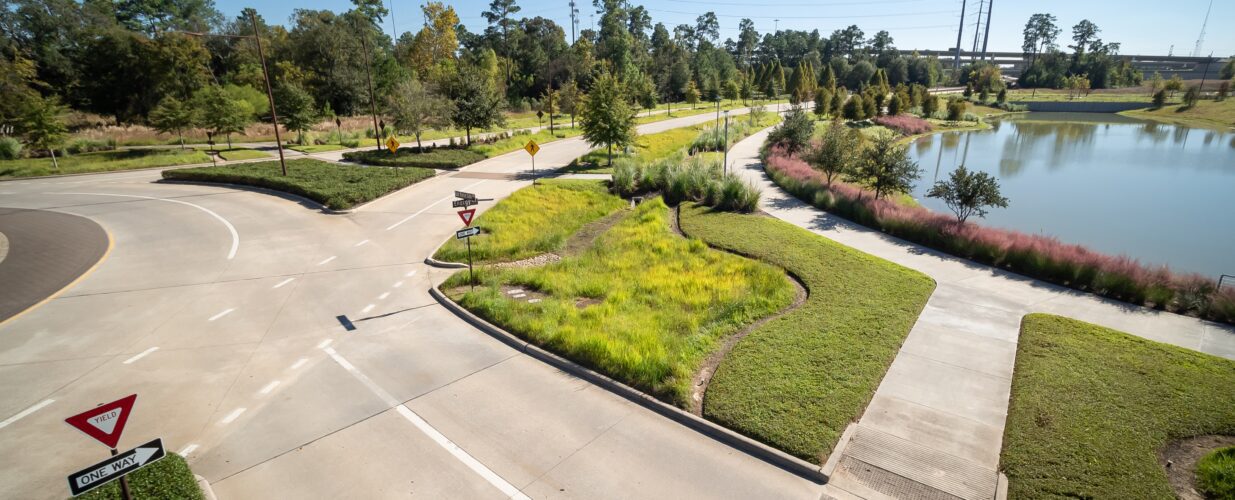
(956, 61)
(274, 117)
(368, 73)
(574, 21)
(987, 37)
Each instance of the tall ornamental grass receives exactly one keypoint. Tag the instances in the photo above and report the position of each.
(905, 124)
(681, 179)
(1042, 257)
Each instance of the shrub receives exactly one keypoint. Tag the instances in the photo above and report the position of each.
(350, 143)
(625, 177)
(970, 117)
(795, 132)
(10, 148)
(441, 158)
(1038, 256)
(939, 115)
(1159, 99)
(79, 146)
(737, 195)
(905, 124)
(1215, 473)
(712, 139)
(956, 110)
(1007, 106)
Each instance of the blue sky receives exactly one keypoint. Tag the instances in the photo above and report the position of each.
(1142, 26)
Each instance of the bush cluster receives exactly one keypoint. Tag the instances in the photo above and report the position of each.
(80, 146)
(10, 148)
(713, 139)
(1037, 256)
(680, 179)
(430, 157)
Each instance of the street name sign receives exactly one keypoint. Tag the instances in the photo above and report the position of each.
(532, 148)
(467, 216)
(392, 144)
(115, 467)
(464, 196)
(464, 203)
(105, 422)
(467, 233)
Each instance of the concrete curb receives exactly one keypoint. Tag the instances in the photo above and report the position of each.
(207, 491)
(281, 194)
(725, 436)
(829, 467)
(432, 262)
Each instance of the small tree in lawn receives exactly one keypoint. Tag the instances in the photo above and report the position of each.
(823, 101)
(756, 113)
(930, 104)
(172, 116)
(606, 116)
(894, 105)
(836, 153)
(414, 108)
(478, 103)
(691, 93)
(839, 99)
(1224, 89)
(222, 114)
(1191, 96)
(795, 132)
(854, 108)
(1156, 83)
(968, 193)
(550, 101)
(296, 109)
(1159, 99)
(886, 168)
(44, 127)
(1002, 97)
(1175, 84)
(569, 97)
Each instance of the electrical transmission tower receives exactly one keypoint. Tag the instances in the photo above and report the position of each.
(1200, 40)
(574, 20)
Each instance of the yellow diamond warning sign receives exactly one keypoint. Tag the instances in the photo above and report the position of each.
(392, 144)
(532, 148)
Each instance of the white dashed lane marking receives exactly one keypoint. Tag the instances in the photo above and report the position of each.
(140, 355)
(222, 314)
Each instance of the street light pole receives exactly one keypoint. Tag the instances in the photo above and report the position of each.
(274, 116)
(725, 167)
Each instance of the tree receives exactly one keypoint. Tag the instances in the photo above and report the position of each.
(956, 109)
(1159, 99)
(1175, 84)
(606, 116)
(415, 108)
(44, 127)
(894, 105)
(172, 116)
(1040, 34)
(477, 102)
(432, 50)
(498, 17)
(569, 98)
(795, 132)
(222, 114)
(1224, 89)
(296, 109)
(691, 93)
(1085, 34)
(854, 108)
(930, 104)
(823, 101)
(731, 90)
(838, 101)
(886, 167)
(968, 193)
(836, 153)
(1191, 96)
(1156, 83)
(1228, 70)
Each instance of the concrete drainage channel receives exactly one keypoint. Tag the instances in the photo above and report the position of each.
(728, 437)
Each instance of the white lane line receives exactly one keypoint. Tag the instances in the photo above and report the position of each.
(328, 259)
(26, 412)
(362, 243)
(397, 284)
(230, 228)
(324, 344)
(231, 417)
(284, 282)
(383, 296)
(222, 314)
(431, 205)
(368, 308)
(459, 453)
(269, 387)
(410, 274)
(299, 363)
(140, 355)
(184, 452)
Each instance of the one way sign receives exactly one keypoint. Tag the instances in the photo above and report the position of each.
(115, 467)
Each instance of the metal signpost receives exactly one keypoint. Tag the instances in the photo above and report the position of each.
(105, 423)
(466, 200)
(532, 148)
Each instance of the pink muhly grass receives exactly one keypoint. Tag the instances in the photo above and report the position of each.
(905, 124)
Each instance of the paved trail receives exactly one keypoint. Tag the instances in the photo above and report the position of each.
(935, 425)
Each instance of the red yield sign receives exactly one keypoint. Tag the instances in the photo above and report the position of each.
(467, 216)
(105, 422)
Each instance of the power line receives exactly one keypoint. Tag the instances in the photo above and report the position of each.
(860, 16)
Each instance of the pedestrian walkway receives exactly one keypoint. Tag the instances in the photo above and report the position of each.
(934, 427)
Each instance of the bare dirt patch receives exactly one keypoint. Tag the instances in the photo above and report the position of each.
(1179, 458)
(583, 239)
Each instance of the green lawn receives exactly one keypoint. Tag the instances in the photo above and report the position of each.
(242, 154)
(798, 380)
(1092, 406)
(318, 148)
(1206, 114)
(167, 479)
(1117, 95)
(102, 161)
(334, 185)
(641, 304)
(534, 220)
(444, 158)
(652, 147)
(517, 142)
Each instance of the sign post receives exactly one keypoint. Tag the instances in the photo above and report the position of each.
(116, 467)
(532, 148)
(467, 234)
(105, 423)
(466, 200)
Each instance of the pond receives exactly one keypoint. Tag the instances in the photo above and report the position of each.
(1163, 194)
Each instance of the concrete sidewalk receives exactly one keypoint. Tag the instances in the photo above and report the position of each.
(934, 428)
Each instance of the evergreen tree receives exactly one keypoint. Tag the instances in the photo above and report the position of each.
(854, 108)
(894, 105)
(823, 102)
(606, 116)
(691, 93)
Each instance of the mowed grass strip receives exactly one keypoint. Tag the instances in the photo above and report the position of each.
(166, 479)
(652, 147)
(102, 161)
(242, 154)
(534, 220)
(798, 380)
(334, 185)
(641, 305)
(1092, 406)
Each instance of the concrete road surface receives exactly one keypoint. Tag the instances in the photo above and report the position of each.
(219, 308)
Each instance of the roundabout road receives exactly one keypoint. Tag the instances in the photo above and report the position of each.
(219, 307)
(44, 252)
